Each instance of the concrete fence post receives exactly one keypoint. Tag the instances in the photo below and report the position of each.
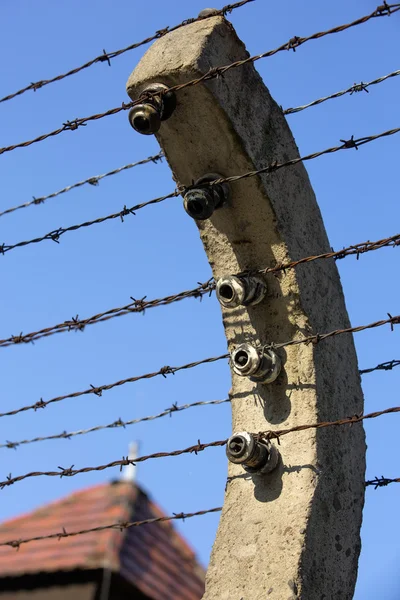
(293, 533)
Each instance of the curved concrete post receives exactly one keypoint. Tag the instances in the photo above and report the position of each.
(293, 533)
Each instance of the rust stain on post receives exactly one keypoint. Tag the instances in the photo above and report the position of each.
(293, 533)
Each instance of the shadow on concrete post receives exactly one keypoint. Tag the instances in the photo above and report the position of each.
(293, 533)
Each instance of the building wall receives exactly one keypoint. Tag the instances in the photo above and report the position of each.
(80, 591)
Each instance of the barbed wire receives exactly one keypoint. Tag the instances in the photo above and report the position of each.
(64, 435)
(355, 88)
(117, 423)
(120, 525)
(381, 482)
(108, 56)
(136, 306)
(141, 305)
(55, 235)
(386, 366)
(196, 448)
(319, 337)
(356, 249)
(382, 10)
(94, 181)
(271, 168)
(98, 390)
(167, 370)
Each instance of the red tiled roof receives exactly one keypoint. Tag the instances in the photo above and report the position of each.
(154, 558)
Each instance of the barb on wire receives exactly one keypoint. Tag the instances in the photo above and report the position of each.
(167, 412)
(356, 87)
(271, 168)
(195, 449)
(356, 249)
(319, 337)
(136, 306)
(76, 324)
(120, 525)
(124, 462)
(55, 235)
(108, 56)
(94, 181)
(292, 44)
(164, 371)
(386, 366)
(98, 390)
(118, 423)
(278, 433)
(381, 482)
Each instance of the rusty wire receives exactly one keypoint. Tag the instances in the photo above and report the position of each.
(64, 435)
(356, 249)
(167, 370)
(98, 390)
(382, 10)
(381, 482)
(117, 423)
(271, 168)
(55, 235)
(356, 87)
(319, 337)
(108, 56)
(136, 306)
(386, 366)
(94, 181)
(196, 448)
(120, 526)
(141, 305)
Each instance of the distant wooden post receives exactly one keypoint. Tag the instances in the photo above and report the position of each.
(293, 533)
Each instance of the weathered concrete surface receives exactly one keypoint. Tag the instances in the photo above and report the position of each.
(295, 533)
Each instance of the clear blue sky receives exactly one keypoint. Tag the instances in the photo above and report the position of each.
(158, 252)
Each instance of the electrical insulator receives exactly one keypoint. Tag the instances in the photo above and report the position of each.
(201, 200)
(243, 290)
(259, 365)
(255, 456)
(147, 116)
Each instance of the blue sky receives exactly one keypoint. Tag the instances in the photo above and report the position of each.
(158, 252)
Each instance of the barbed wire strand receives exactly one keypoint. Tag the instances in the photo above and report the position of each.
(141, 305)
(120, 525)
(196, 448)
(167, 370)
(136, 306)
(55, 235)
(355, 88)
(94, 181)
(117, 423)
(167, 412)
(271, 168)
(98, 390)
(108, 56)
(381, 482)
(386, 366)
(292, 44)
